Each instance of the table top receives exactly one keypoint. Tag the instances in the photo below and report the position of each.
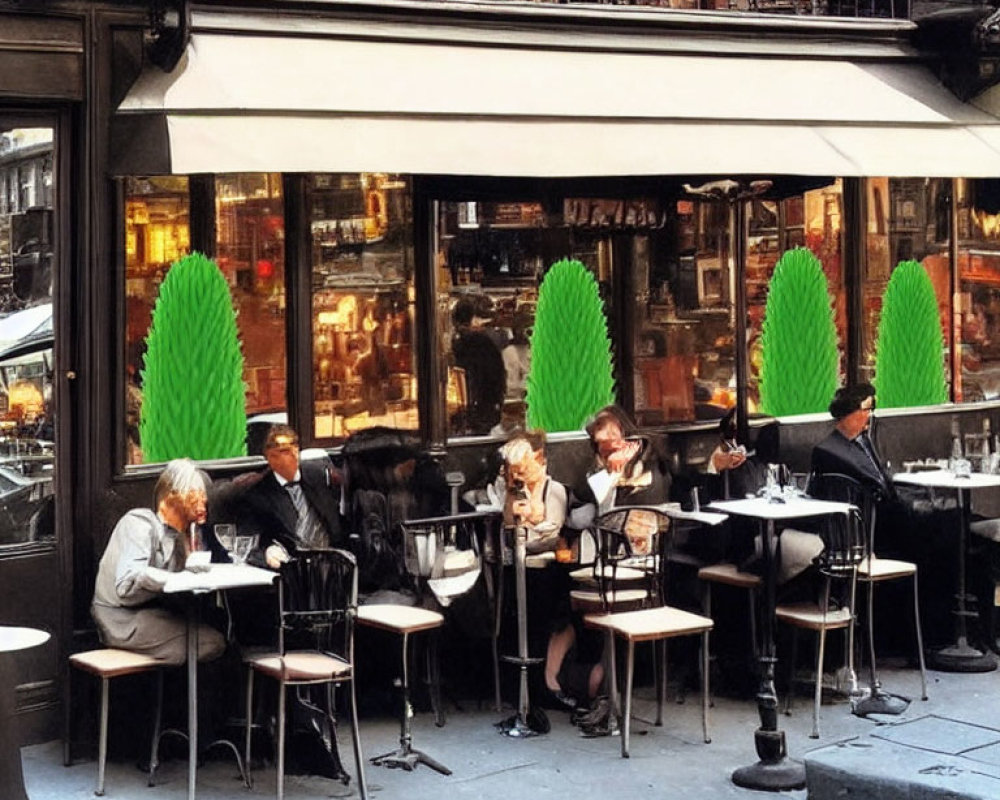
(946, 479)
(674, 511)
(13, 638)
(792, 507)
(218, 576)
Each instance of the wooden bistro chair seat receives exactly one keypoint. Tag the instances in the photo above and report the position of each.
(626, 616)
(108, 663)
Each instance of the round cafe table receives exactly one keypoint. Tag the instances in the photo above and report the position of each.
(12, 639)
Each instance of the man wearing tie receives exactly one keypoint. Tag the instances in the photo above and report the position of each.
(848, 450)
(293, 504)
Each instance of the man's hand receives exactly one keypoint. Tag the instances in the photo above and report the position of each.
(728, 460)
(276, 555)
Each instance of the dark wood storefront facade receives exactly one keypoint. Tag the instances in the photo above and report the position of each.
(70, 66)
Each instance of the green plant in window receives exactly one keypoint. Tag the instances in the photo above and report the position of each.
(570, 376)
(798, 372)
(909, 350)
(194, 401)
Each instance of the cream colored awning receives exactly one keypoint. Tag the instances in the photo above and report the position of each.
(252, 103)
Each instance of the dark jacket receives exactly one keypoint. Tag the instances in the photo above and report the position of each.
(266, 508)
(837, 453)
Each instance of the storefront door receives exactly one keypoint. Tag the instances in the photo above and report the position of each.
(32, 592)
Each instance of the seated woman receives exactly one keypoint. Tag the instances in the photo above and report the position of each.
(531, 498)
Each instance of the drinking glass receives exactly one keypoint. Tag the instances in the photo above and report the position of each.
(244, 546)
(225, 535)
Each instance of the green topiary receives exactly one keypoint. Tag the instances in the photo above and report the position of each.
(194, 401)
(798, 372)
(570, 376)
(909, 351)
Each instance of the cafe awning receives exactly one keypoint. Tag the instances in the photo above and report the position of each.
(252, 101)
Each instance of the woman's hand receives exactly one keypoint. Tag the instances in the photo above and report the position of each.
(275, 556)
(618, 459)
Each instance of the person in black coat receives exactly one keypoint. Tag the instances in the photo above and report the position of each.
(292, 504)
(848, 449)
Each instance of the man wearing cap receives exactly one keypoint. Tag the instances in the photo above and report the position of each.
(848, 450)
(292, 504)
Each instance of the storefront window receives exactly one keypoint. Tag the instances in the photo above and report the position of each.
(978, 301)
(684, 368)
(362, 303)
(813, 220)
(250, 251)
(492, 257)
(157, 233)
(908, 219)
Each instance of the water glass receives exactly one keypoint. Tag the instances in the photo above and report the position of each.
(243, 548)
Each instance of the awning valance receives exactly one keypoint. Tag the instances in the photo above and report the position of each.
(253, 103)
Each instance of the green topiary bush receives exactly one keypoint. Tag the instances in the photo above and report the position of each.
(194, 401)
(570, 376)
(909, 351)
(799, 365)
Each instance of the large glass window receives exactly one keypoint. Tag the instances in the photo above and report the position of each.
(908, 219)
(157, 233)
(362, 303)
(684, 368)
(812, 220)
(978, 299)
(250, 251)
(27, 263)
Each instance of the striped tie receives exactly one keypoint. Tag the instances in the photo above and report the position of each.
(308, 528)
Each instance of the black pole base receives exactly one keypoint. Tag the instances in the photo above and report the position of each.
(880, 703)
(961, 658)
(771, 776)
(408, 758)
(775, 772)
(515, 727)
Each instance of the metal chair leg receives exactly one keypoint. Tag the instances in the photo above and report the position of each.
(359, 759)
(102, 746)
(818, 691)
(659, 673)
(920, 638)
(705, 691)
(627, 712)
(791, 671)
(249, 722)
(154, 749)
(282, 691)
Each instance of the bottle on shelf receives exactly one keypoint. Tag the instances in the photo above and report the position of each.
(957, 454)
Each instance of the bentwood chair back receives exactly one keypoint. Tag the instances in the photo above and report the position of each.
(317, 607)
(871, 568)
(641, 536)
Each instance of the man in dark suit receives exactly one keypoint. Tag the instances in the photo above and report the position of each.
(292, 504)
(848, 450)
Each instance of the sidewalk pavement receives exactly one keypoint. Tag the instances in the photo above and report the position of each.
(666, 762)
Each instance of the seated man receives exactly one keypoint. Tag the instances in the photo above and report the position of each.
(291, 504)
(909, 526)
(145, 546)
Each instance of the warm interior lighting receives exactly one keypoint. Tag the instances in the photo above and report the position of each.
(988, 224)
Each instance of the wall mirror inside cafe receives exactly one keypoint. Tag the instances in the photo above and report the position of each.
(27, 415)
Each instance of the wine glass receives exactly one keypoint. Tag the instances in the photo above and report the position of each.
(225, 535)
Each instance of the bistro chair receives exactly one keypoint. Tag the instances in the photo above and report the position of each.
(106, 664)
(635, 535)
(317, 606)
(871, 571)
(844, 539)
